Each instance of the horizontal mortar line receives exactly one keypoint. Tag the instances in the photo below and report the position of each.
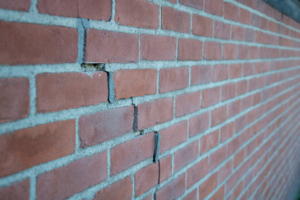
(262, 14)
(42, 118)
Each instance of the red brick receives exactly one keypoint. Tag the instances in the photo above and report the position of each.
(237, 33)
(130, 153)
(253, 52)
(231, 11)
(222, 30)
(199, 124)
(234, 108)
(189, 49)
(202, 26)
(15, 5)
(100, 127)
(220, 73)
(208, 186)
(210, 97)
(228, 91)
(249, 35)
(173, 136)
(214, 7)
(173, 79)
(246, 102)
(187, 103)
(155, 112)
(172, 190)
(209, 141)
(230, 51)
(109, 47)
(254, 20)
(200, 74)
(218, 194)
(165, 168)
(243, 52)
(14, 99)
(241, 87)
(118, 190)
(134, 83)
(240, 123)
(28, 147)
(238, 158)
(227, 131)
(173, 1)
(175, 20)
(217, 158)
(139, 13)
(237, 191)
(197, 172)
(92, 9)
(235, 71)
(186, 155)
(191, 196)
(212, 51)
(263, 23)
(193, 3)
(244, 16)
(61, 91)
(19, 190)
(155, 47)
(62, 183)
(145, 179)
(218, 115)
(48, 44)
(225, 171)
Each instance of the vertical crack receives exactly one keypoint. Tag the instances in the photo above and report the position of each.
(156, 147)
(135, 119)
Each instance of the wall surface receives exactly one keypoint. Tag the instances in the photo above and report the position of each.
(136, 99)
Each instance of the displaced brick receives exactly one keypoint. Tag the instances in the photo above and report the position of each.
(134, 83)
(62, 91)
(61, 183)
(139, 13)
(202, 26)
(171, 79)
(100, 127)
(189, 49)
(200, 74)
(175, 20)
(187, 103)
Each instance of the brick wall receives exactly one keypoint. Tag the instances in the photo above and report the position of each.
(196, 99)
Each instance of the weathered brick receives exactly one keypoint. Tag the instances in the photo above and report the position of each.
(172, 190)
(118, 190)
(199, 124)
(222, 30)
(197, 172)
(187, 103)
(186, 155)
(212, 51)
(109, 47)
(237, 33)
(231, 11)
(202, 26)
(230, 51)
(14, 99)
(208, 186)
(15, 5)
(175, 20)
(48, 44)
(225, 171)
(62, 183)
(165, 168)
(220, 73)
(189, 49)
(139, 13)
(173, 79)
(209, 141)
(173, 136)
(214, 7)
(146, 178)
(134, 82)
(92, 9)
(61, 91)
(235, 70)
(47, 142)
(155, 112)
(193, 3)
(210, 97)
(19, 190)
(200, 74)
(228, 91)
(218, 115)
(100, 127)
(155, 47)
(130, 153)
(227, 131)
(217, 158)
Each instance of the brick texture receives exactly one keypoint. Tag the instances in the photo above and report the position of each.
(175, 20)
(19, 190)
(173, 79)
(16, 5)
